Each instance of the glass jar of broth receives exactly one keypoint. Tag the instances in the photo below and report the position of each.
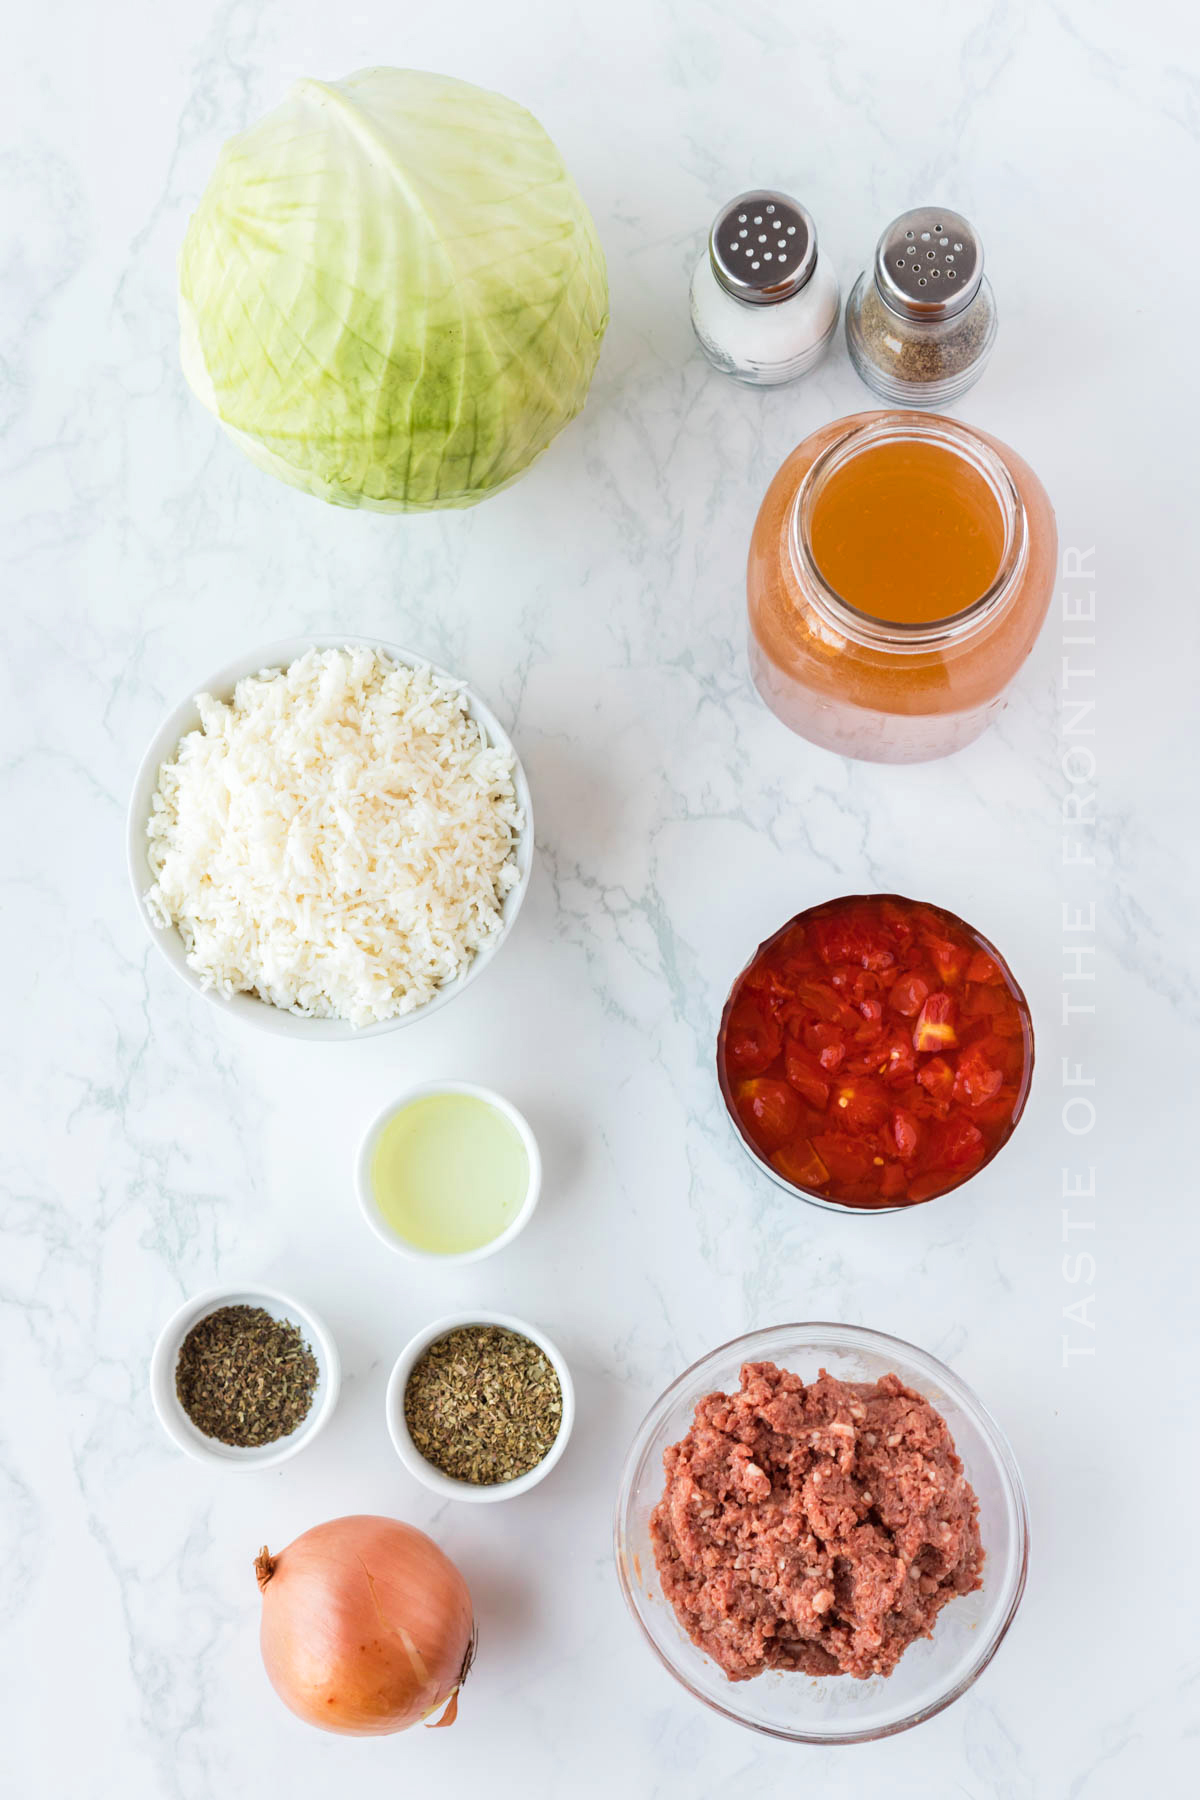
(900, 569)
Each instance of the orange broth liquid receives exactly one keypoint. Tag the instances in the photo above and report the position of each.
(907, 532)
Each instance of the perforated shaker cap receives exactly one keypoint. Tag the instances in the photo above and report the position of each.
(763, 247)
(928, 264)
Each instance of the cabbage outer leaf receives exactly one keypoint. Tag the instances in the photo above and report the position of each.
(392, 293)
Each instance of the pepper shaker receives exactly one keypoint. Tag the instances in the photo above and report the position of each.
(764, 302)
(920, 326)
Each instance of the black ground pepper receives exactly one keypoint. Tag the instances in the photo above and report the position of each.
(912, 350)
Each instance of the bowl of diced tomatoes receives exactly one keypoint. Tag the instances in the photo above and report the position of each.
(875, 1053)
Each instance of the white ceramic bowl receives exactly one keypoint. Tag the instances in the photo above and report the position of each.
(366, 1191)
(179, 1427)
(443, 1485)
(248, 1007)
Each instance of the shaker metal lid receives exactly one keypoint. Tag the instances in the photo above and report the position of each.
(763, 247)
(928, 264)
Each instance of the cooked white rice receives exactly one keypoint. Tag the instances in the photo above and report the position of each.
(338, 840)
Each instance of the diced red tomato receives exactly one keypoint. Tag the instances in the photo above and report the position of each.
(997, 1114)
(934, 1029)
(792, 944)
(800, 1164)
(908, 994)
(898, 922)
(983, 1002)
(752, 1040)
(851, 937)
(893, 1180)
(976, 1079)
(982, 968)
(845, 1157)
(861, 1102)
(826, 1043)
(822, 1001)
(773, 1107)
(995, 1049)
(876, 1052)
(766, 987)
(906, 1133)
(937, 1078)
(957, 1143)
(950, 961)
(997, 1117)
(870, 1032)
(806, 1076)
(897, 1060)
(860, 990)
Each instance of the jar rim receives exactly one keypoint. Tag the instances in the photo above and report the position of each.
(901, 634)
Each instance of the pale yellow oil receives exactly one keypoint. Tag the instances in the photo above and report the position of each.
(449, 1173)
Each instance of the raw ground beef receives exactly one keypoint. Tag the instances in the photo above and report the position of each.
(820, 1528)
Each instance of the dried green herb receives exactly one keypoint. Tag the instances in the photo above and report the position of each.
(245, 1378)
(483, 1405)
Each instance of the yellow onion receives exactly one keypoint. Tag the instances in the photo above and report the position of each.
(366, 1626)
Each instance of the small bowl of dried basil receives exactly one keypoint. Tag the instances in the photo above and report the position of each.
(480, 1406)
(244, 1377)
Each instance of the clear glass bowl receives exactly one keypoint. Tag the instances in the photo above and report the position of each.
(933, 1671)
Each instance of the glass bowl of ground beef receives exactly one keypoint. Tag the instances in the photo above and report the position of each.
(822, 1533)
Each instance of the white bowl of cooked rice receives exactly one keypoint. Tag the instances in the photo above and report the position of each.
(331, 838)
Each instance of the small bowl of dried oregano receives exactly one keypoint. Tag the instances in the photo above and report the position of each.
(244, 1377)
(480, 1406)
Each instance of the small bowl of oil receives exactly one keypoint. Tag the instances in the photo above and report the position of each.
(449, 1173)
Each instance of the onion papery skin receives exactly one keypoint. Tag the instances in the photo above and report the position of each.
(367, 1626)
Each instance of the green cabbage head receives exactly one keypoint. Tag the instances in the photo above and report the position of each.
(392, 293)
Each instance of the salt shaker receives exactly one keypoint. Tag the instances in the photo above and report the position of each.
(920, 326)
(764, 303)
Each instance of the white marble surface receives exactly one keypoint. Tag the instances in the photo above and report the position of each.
(145, 1150)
